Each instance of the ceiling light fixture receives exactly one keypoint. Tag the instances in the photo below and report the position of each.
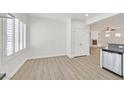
(107, 35)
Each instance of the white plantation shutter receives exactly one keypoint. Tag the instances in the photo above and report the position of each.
(21, 35)
(16, 35)
(10, 36)
(24, 36)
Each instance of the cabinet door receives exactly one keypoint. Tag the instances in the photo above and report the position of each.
(112, 62)
(105, 59)
(117, 63)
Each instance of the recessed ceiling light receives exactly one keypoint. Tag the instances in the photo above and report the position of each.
(86, 14)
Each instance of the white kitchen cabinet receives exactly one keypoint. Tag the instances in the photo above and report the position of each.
(117, 63)
(105, 59)
(112, 61)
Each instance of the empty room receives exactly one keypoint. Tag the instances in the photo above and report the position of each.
(61, 46)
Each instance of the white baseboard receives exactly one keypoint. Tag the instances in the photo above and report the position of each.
(55, 55)
(8, 77)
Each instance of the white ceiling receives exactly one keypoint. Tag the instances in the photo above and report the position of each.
(63, 16)
(113, 22)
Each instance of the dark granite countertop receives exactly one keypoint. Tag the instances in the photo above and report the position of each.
(113, 50)
(116, 48)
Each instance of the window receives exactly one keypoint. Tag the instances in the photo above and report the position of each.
(16, 35)
(21, 35)
(9, 34)
(15, 31)
(24, 35)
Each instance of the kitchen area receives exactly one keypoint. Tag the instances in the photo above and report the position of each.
(108, 36)
(112, 58)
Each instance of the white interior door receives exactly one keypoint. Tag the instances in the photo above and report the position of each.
(81, 41)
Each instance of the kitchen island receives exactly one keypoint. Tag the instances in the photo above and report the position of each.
(112, 58)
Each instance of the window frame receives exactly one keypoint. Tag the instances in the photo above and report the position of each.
(16, 49)
(19, 52)
(13, 34)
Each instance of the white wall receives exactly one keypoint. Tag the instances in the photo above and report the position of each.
(68, 37)
(113, 22)
(47, 37)
(0, 42)
(112, 38)
(21, 16)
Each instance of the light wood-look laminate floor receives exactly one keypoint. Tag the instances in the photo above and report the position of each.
(64, 68)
